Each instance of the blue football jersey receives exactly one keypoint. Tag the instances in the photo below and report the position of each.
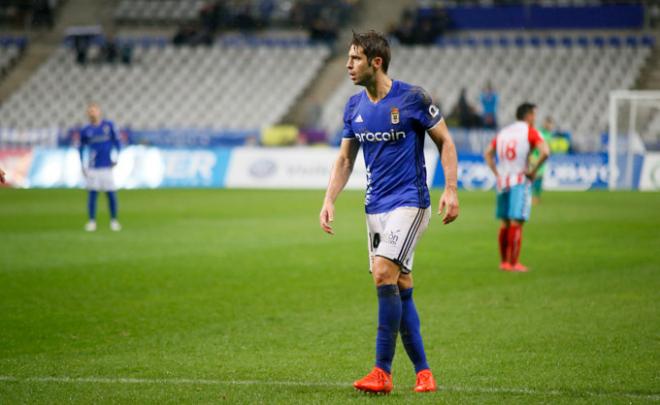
(391, 133)
(100, 139)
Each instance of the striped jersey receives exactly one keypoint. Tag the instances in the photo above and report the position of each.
(513, 144)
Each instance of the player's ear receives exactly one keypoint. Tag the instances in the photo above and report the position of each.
(377, 62)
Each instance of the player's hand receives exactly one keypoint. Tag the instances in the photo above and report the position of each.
(448, 204)
(2, 176)
(531, 175)
(326, 216)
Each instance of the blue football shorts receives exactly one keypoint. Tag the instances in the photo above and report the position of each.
(515, 202)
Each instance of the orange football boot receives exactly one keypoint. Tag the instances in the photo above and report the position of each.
(377, 381)
(519, 267)
(506, 266)
(425, 382)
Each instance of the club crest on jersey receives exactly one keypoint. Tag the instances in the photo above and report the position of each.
(394, 114)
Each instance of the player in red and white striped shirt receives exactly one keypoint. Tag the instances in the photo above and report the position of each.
(512, 145)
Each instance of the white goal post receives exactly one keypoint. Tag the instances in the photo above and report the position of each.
(634, 126)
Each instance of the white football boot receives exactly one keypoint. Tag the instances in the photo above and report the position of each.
(115, 225)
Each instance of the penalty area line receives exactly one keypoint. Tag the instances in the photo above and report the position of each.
(192, 381)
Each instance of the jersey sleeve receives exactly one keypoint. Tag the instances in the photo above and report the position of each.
(493, 142)
(114, 136)
(347, 131)
(424, 111)
(534, 137)
(82, 141)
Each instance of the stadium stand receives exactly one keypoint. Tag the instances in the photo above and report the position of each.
(321, 18)
(229, 86)
(568, 76)
(158, 12)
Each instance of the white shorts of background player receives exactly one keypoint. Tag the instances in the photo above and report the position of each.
(100, 179)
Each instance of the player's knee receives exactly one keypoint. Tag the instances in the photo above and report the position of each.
(385, 271)
(405, 281)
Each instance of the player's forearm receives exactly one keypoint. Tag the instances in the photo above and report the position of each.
(491, 164)
(490, 160)
(543, 156)
(341, 171)
(449, 161)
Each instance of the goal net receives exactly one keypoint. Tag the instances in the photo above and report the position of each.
(634, 129)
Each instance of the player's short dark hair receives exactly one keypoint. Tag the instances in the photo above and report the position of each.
(524, 109)
(374, 45)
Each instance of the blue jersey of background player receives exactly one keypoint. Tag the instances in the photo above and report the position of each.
(100, 137)
(389, 120)
(391, 133)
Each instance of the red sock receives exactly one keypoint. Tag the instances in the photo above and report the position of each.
(515, 241)
(503, 238)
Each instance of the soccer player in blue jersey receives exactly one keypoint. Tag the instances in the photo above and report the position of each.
(389, 120)
(101, 138)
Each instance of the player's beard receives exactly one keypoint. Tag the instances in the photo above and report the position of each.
(365, 79)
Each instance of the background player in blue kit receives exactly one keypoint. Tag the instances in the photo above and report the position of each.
(389, 119)
(101, 138)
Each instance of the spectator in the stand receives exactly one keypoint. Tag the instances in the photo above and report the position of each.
(81, 46)
(183, 35)
(324, 27)
(211, 15)
(110, 50)
(190, 35)
(126, 53)
(653, 12)
(489, 101)
(420, 28)
(405, 32)
(244, 19)
(467, 113)
(42, 13)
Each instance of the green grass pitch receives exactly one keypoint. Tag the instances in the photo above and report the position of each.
(236, 296)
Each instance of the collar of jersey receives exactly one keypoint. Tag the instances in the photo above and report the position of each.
(392, 89)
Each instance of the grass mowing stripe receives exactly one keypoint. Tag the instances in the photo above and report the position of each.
(192, 381)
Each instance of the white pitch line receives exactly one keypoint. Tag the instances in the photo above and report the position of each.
(191, 381)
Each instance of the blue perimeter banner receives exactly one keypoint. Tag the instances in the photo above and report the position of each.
(137, 167)
(562, 172)
(308, 168)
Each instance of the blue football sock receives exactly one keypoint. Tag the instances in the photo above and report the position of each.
(91, 205)
(112, 201)
(389, 319)
(410, 333)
